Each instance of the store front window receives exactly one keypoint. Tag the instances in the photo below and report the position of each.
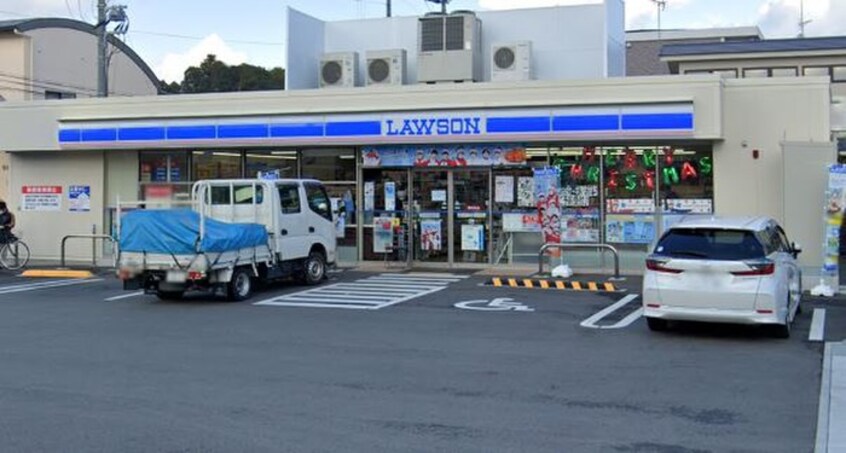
(164, 176)
(216, 165)
(285, 162)
(329, 164)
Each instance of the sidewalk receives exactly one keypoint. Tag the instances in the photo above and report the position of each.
(831, 420)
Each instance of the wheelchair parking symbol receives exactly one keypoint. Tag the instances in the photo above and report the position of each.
(498, 304)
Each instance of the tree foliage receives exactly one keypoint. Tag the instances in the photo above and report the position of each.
(215, 76)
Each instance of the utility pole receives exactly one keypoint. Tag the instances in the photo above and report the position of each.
(102, 64)
(388, 6)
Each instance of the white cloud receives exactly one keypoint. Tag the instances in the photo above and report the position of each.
(639, 13)
(173, 65)
(46, 8)
(780, 18)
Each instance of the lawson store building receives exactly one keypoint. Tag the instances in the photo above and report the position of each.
(449, 166)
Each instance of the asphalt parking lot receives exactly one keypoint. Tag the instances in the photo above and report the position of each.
(399, 362)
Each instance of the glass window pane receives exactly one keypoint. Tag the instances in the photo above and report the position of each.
(756, 73)
(318, 201)
(285, 162)
(710, 244)
(784, 72)
(329, 164)
(838, 73)
(815, 71)
(220, 195)
(289, 198)
(244, 194)
(727, 73)
(217, 165)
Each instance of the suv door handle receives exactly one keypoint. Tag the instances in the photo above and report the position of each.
(284, 232)
(311, 229)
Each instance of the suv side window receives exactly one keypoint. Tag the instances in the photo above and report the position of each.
(318, 200)
(783, 238)
(289, 198)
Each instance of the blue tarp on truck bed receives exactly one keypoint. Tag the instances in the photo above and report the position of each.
(176, 231)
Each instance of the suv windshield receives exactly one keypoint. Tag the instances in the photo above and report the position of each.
(711, 244)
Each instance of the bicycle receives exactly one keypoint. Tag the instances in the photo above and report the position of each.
(14, 254)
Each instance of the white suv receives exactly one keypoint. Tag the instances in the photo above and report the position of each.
(738, 270)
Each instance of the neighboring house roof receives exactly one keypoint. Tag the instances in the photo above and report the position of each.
(764, 46)
(24, 25)
(728, 33)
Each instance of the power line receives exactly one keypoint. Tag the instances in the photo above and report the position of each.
(200, 38)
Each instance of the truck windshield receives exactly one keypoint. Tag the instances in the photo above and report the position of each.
(711, 244)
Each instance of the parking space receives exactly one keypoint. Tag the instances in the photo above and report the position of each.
(452, 364)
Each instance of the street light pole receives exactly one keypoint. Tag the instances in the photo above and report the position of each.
(102, 64)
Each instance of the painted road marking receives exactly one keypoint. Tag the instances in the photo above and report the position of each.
(590, 323)
(817, 325)
(542, 283)
(45, 285)
(498, 304)
(372, 293)
(124, 296)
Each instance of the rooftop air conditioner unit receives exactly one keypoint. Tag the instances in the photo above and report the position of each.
(449, 48)
(338, 70)
(386, 67)
(511, 62)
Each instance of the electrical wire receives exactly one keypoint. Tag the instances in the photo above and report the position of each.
(200, 38)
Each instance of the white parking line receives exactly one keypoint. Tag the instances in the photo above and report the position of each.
(124, 296)
(590, 323)
(45, 285)
(817, 332)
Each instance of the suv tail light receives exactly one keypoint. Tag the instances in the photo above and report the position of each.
(659, 265)
(756, 268)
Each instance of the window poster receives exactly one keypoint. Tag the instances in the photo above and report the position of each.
(504, 189)
(578, 196)
(688, 206)
(580, 228)
(630, 206)
(520, 222)
(548, 204)
(526, 192)
(630, 229)
(833, 216)
(430, 235)
(472, 238)
(369, 195)
(390, 196)
(439, 196)
(383, 234)
(485, 155)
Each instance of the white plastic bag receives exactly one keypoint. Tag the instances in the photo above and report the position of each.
(562, 271)
(822, 290)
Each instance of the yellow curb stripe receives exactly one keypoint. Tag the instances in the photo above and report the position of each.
(609, 287)
(528, 283)
(592, 286)
(497, 282)
(512, 283)
(560, 285)
(576, 286)
(46, 273)
(544, 284)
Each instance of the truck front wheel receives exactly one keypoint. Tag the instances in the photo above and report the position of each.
(241, 286)
(314, 268)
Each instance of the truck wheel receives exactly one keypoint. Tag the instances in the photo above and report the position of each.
(241, 286)
(314, 268)
(170, 295)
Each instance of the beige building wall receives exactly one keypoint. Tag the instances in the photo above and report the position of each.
(15, 71)
(66, 60)
(43, 231)
(760, 115)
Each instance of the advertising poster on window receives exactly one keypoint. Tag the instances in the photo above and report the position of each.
(487, 155)
(383, 234)
(630, 206)
(41, 198)
(79, 198)
(630, 229)
(519, 222)
(688, 206)
(430, 235)
(340, 216)
(472, 238)
(548, 204)
(369, 195)
(390, 196)
(526, 192)
(578, 196)
(580, 228)
(504, 189)
(834, 207)
(439, 196)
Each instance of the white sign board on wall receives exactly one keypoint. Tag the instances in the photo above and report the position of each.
(41, 198)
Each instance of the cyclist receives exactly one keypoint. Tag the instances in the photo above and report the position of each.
(7, 223)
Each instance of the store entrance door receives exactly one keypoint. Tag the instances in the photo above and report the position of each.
(451, 216)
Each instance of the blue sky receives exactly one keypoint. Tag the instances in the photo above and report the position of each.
(173, 34)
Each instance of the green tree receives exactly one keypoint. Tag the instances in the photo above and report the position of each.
(215, 76)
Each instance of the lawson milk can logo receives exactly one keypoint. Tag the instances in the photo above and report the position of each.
(435, 125)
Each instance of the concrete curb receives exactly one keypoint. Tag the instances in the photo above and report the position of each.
(832, 405)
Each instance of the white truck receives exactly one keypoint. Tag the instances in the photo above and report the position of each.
(236, 233)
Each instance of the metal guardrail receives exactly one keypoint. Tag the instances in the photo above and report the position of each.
(93, 238)
(610, 248)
